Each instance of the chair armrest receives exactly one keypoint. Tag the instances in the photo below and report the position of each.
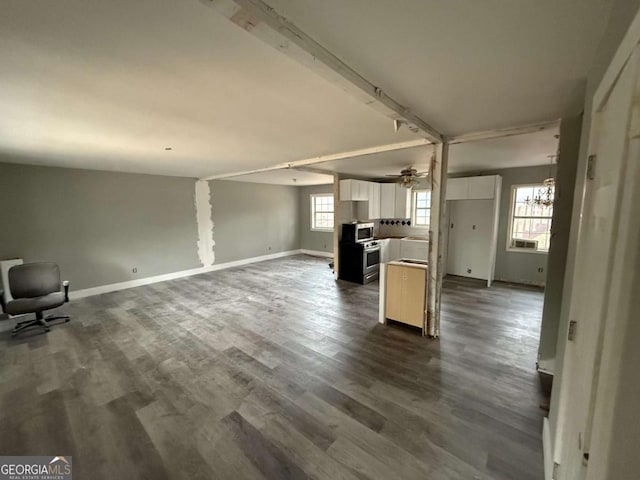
(65, 284)
(2, 305)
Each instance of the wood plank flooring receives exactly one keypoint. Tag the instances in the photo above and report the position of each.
(275, 371)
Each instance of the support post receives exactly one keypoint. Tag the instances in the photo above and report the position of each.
(336, 225)
(438, 179)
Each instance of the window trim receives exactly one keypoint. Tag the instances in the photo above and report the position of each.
(414, 207)
(509, 248)
(312, 197)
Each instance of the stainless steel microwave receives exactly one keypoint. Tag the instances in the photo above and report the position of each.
(357, 232)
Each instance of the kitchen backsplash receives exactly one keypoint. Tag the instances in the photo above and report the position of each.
(397, 229)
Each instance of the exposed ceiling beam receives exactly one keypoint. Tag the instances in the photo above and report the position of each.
(327, 158)
(320, 171)
(502, 132)
(261, 20)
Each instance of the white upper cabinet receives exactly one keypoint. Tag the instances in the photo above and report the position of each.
(354, 190)
(472, 188)
(395, 201)
(374, 200)
(457, 188)
(384, 200)
(482, 188)
(370, 210)
(403, 202)
(387, 200)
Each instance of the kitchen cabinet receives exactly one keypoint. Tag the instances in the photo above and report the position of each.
(473, 229)
(384, 250)
(389, 249)
(406, 294)
(370, 210)
(394, 249)
(354, 190)
(374, 200)
(395, 201)
(472, 188)
(482, 188)
(457, 188)
(387, 200)
(416, 249)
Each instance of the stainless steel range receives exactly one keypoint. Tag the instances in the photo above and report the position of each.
(359, 261)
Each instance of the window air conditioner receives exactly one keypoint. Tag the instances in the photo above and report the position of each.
(524, 244)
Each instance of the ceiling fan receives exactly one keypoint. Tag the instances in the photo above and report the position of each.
(408, 177)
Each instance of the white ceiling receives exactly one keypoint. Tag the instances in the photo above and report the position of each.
(463, 65)
(109, 85)
(291, 177)
(506, 152)
(378, 165)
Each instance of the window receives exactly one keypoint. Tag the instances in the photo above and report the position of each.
(421, 211)
(322, 212)
(529, 222)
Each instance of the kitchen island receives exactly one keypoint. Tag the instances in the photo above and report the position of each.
(403, 290)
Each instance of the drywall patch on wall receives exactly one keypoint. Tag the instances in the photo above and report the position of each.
(205, 224)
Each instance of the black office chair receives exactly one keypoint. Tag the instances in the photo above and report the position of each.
(35, 287)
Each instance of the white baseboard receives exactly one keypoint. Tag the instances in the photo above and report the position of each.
(317, 253)
(547, 447)
(113, 287)
(547, 366)
(8, 323)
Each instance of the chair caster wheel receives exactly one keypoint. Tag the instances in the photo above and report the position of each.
(47, 329)
(67, 320)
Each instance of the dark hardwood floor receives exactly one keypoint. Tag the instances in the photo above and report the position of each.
(275, 371)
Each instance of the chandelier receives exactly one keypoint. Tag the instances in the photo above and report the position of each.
(545, 195)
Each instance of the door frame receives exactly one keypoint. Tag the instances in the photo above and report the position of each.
(624, 234)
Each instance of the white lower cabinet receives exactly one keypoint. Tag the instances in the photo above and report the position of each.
(389, 249)
(394, 249)
(416, 249)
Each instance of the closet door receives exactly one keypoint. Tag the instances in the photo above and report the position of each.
(480, 238)
(470, 238)
(458, 257)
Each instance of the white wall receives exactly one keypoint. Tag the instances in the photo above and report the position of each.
(624, 462)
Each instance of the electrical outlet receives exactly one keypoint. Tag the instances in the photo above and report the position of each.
(540, 270)
(134, 269)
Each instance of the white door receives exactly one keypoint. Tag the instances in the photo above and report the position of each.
(594, 274)
(470, 234)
